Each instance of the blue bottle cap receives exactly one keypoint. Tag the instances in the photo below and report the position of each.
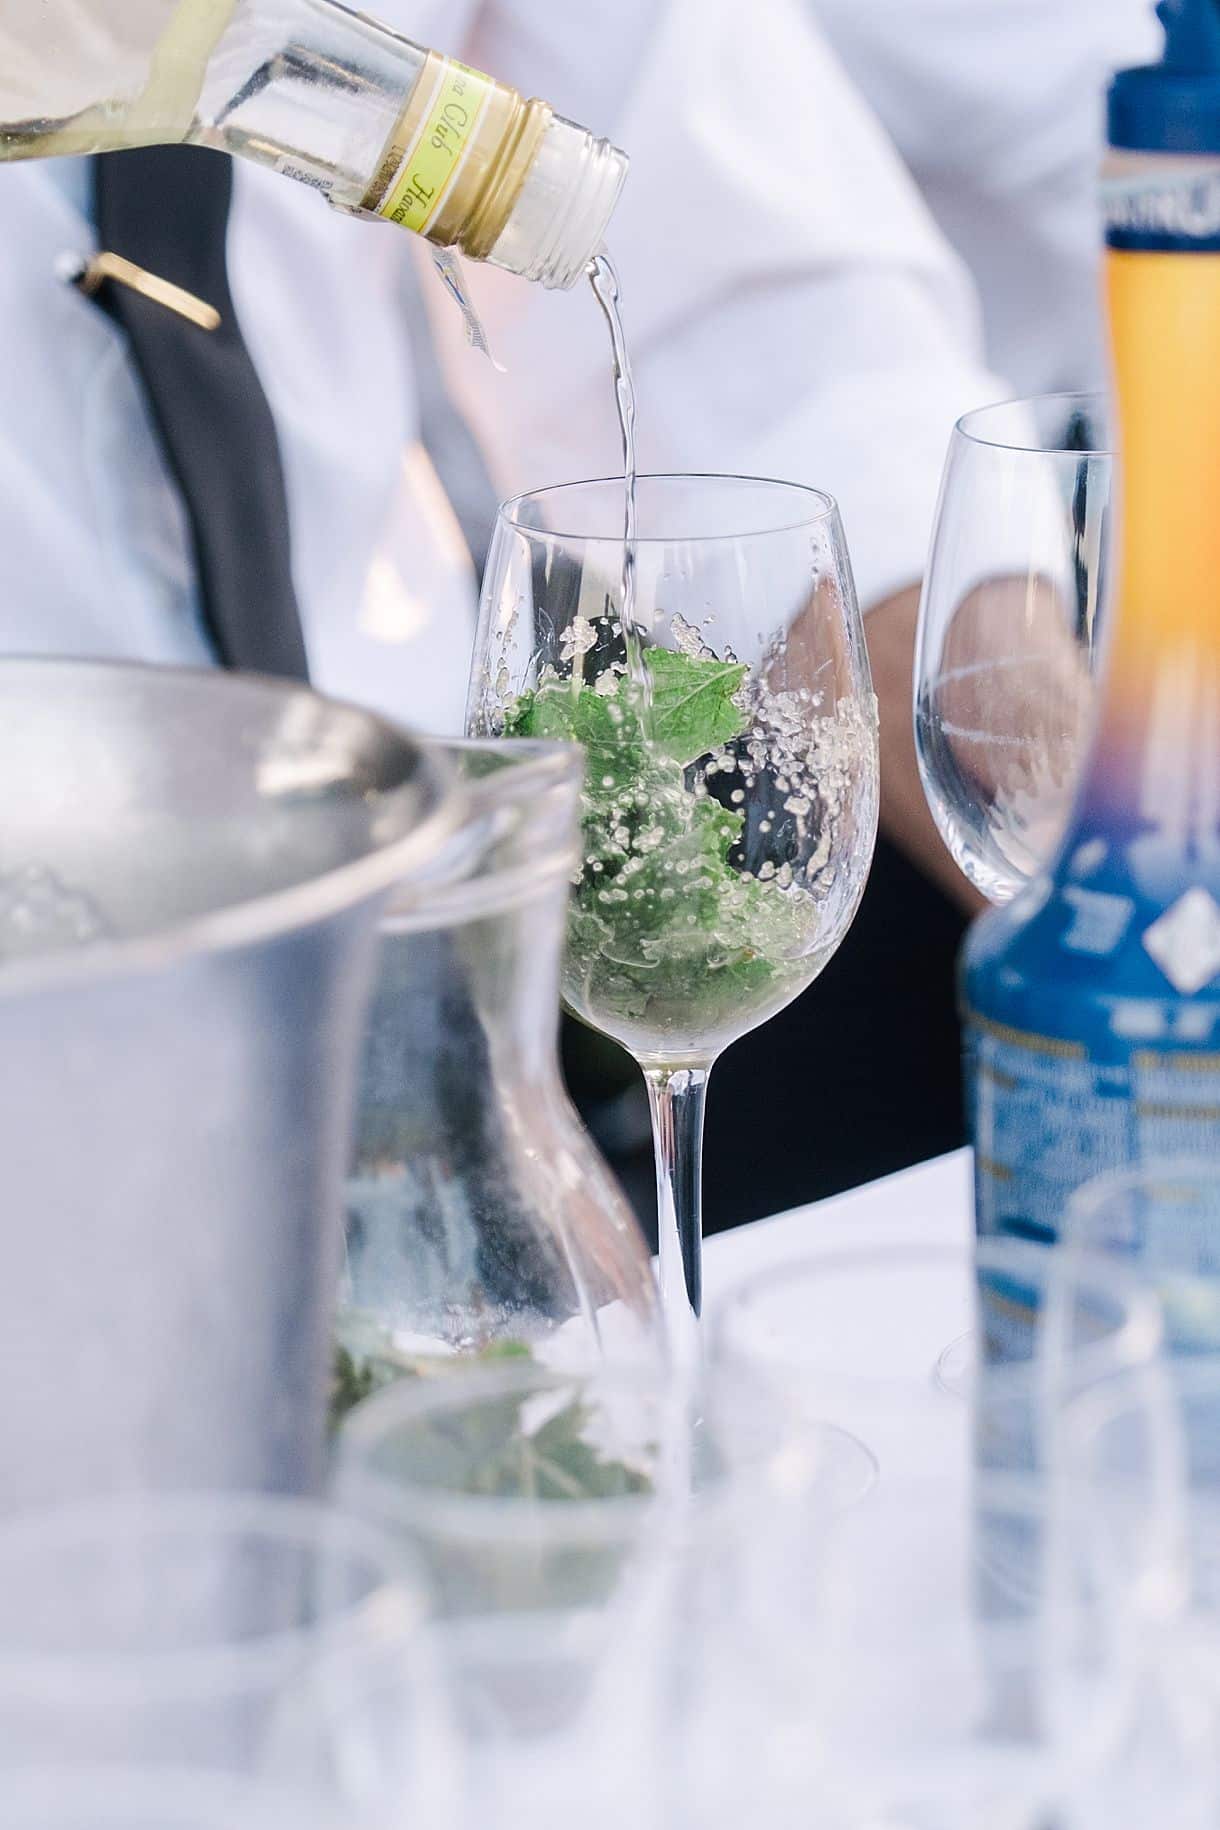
(1173, 106)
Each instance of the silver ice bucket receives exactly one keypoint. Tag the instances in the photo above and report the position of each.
(191, 870)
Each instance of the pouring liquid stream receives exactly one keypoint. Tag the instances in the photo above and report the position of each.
(605, 282)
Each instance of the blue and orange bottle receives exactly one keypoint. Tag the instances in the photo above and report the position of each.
(1092, 1002)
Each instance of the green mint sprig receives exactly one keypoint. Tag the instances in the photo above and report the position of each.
(664, 924)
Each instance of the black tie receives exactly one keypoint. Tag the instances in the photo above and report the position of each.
(166, 208)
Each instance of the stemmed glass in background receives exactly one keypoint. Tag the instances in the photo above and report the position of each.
(1008, 631)
(1008, 643)
(730, 799)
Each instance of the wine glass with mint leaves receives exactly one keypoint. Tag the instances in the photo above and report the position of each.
(730, 800)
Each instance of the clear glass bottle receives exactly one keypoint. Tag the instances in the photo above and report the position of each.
(380, 126)
(480, 1216)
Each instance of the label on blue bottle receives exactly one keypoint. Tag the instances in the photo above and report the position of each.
(1048, 1117)
(1163, 207)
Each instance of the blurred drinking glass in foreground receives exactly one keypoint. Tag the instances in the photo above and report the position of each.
(1163, 1220)
(963, 1648)
(791, 1337)
(1008, 631)
(176, 1799)
(1118, 1460)
(949, 1685)
(535, 1503)
(603, 1561)
(254, 1638)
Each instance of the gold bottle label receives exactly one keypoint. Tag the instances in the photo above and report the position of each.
(430, 148)
(458, 158)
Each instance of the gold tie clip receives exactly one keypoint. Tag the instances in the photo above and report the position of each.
(91, 275)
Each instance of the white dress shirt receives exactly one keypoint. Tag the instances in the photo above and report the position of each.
(793, 310)
(997, 107)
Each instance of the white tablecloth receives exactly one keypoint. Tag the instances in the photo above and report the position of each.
(927, 1205)
(888, 1320)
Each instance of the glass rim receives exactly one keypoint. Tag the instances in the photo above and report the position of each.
(210, 1668)
(963, 427)
(507, 513)
(263, 916)
(452, 889)
(479, 1518)
(1093, 1195)
(992, 1492)
(1134, 1343)
(1182, 1376)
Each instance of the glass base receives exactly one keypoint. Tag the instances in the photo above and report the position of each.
(766, 1455)
(954, 1371)
(846, 1468)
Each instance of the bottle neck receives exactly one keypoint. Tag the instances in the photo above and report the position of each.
(457, 159)
(1155, 764)
(378, 125)
(471, 164)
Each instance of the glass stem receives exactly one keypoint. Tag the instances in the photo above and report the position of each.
(677, 1098)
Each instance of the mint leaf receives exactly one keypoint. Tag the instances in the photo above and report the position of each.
(693, 709)
(491, 1450)
(567, 1466)
(667, 936)
(605, 725)
(692, 703)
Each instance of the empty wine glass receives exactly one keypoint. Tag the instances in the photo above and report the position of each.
(730, 799)
(1008, 631)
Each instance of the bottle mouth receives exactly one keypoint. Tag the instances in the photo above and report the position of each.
(559, 221)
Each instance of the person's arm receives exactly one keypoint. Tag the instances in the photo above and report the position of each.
(905, 816)
(792, 309)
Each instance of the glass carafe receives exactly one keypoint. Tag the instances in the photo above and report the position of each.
(480, 1217)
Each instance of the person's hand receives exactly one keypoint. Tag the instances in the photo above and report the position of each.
(1014, 698)
(905, 819)
(1014, 694)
